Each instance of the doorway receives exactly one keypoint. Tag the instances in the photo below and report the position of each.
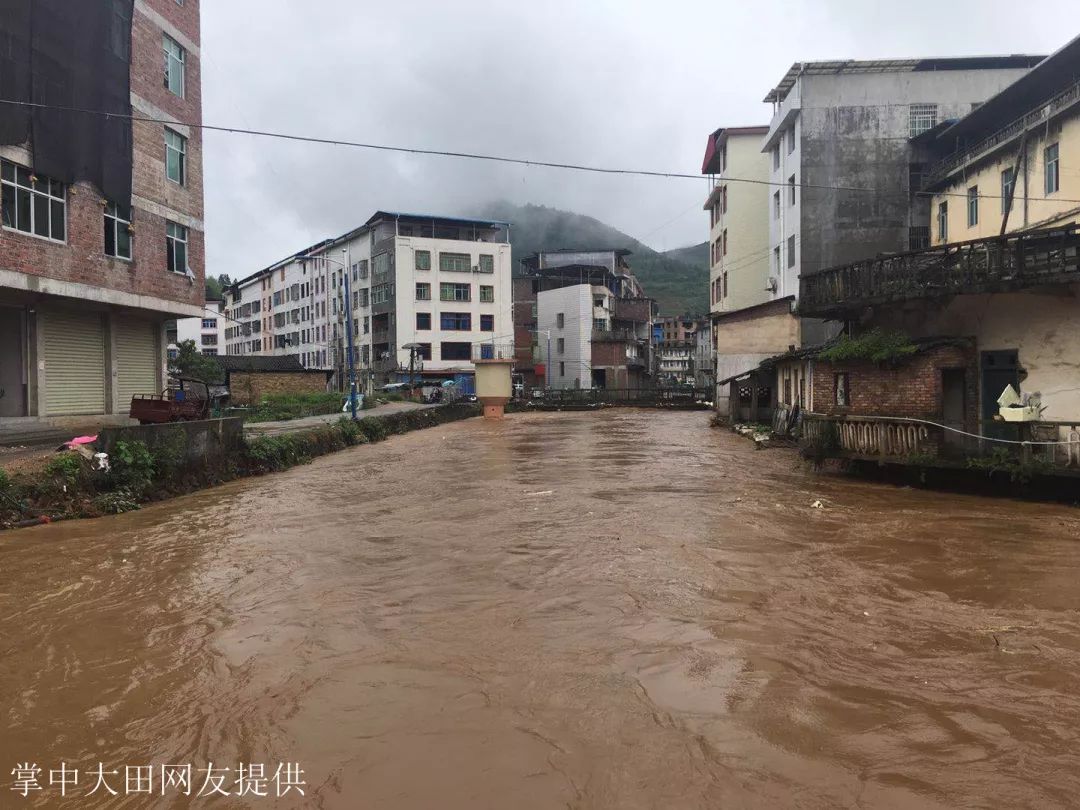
(954, 403)
(12, 362)
(998, 369)
(599, 378)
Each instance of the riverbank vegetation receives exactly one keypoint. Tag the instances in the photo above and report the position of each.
(69, 487)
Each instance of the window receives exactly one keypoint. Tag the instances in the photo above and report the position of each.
(560, 321)
(841, 389)
(176, 242)
(423, 351)
(724, 238)
(560, 346)
(33, 204)
(1050, 162)
(487, 323)
(362, 267)
(209, 323)
(117, 231)
(599, 325)
(423, 259)
(455, 321)
(174, 65)
(776, 205)
(210, 352)
(367, 323)
(724, 290)
(791, 251)
(973, 206)
(776, 157)
(918, 237)
(487, 294)
(562, 369)
(381, 293)
(451, 291)
(175, 156)
(723, 200)
(423, 291)
(1006, 189)
(380, 265)
(209, 340)
(791, 190)
(921, 117)
(455, 262)
(487, 263)
(943, 221)
(364, 297)
(791, 139)
(456, 351)
(423, 321)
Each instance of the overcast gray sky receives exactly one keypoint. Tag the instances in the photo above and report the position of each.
(626, 83)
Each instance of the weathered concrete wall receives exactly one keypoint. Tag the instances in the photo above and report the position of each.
(197, 442)
(248, 388)
(1044, 329)
(743, 339)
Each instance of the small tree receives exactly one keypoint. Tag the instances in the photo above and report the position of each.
(190, 363)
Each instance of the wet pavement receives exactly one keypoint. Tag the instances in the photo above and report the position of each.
(624, 609)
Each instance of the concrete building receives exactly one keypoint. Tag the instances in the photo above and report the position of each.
(592, 311)
(102, 233)
(999, 310)
(207, 332)
(416, 291)
(677, 351)
(848, 124)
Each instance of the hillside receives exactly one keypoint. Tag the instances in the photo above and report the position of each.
(677, 279)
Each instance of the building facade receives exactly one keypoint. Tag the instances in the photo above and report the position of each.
(415, 292)
(207, 332)
(583, 321)
(102, 232)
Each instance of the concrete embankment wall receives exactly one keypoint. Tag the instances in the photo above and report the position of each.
(207, 440)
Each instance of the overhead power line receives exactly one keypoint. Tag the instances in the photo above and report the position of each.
(409, 150)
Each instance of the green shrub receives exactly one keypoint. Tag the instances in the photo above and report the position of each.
(373, 429)
(279, 407)
(272, 453)
(66, 468)
(351, 432)
(132, 467)
(875, 346)
(5, 481)
(116, 503)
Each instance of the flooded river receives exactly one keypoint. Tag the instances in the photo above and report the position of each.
(615, 610)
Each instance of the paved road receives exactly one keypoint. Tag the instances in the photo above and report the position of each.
(294, 425)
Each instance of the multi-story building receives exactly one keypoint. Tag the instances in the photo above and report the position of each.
(102, 232)
(416, 291)
(991, 306)
(845, 155)
(678, 351)
(207, 332)
(583, 321)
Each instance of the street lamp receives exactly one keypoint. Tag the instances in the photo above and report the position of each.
(347, 310)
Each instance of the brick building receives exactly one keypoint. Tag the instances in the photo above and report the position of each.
(102, 231)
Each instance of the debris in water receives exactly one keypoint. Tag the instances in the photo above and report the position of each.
(542, 492)
(817, 505)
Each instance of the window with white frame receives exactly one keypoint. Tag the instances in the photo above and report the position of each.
(943, 221)
(423, 291)
(921, 117)
(487, 263)
(31, 203)
(175, 156)
(1052, 169)
(176, 247)
(487, 294)
(973, 206)
(174, 65)
(117, 231)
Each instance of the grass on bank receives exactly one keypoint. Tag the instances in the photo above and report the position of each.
(68, 487)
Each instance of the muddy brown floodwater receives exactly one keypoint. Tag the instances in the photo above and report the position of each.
(625, 609)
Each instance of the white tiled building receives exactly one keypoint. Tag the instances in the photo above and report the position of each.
(435, 284)
(207, 332)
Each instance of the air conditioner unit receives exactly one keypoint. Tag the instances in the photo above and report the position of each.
(476, 268)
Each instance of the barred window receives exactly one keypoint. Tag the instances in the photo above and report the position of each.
(921, 117)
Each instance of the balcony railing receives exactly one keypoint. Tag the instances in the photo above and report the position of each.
(999, 264)
(1054, 444)
(493, 350)
(943, 168)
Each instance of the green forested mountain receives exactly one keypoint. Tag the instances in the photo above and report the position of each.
(677, 279)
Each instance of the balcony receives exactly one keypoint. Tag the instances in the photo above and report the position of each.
(1000, 264)
(941, 170)
(493, 350)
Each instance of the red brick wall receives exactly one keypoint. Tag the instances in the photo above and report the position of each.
(910, 389)
(82, 258)
(608, 354)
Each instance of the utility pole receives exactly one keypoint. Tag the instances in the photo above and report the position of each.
(349, 332)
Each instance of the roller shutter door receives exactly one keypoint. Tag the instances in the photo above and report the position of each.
(74, 363)
(137, 360)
